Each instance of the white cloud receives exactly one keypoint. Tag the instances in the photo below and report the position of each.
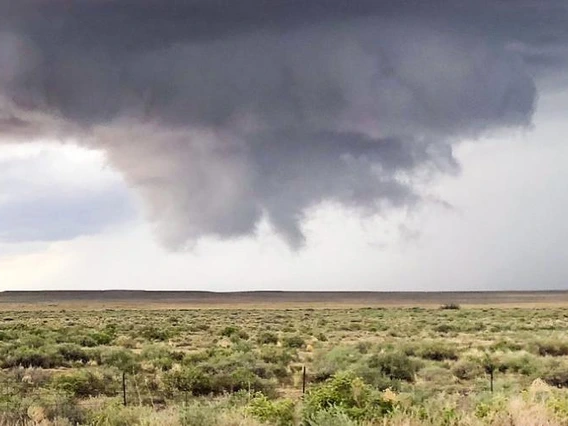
(49, 192)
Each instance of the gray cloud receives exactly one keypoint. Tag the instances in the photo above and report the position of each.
(220, 113)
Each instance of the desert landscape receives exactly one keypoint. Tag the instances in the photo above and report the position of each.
(283, 213)
(272, 358)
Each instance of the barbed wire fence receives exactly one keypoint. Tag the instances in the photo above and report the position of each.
(17, 405)
(20, 402)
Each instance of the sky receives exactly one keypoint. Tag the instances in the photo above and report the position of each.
(278, 146)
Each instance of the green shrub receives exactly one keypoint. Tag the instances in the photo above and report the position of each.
(450, 306)
(331, 417)
(73, 353)
(374, 377)
(229, 331)
(394, 365)
(437, 351)
(551, 347)
(339, 358)
(86, 341)
(444, 328)
(191, 380)
(205, 380)
(556, 374)
(349, 393)
(83, 384)
(467, 369)
(280, 412)
(294, 342)
(159, 356)
(195, 414)
(518, 362)
(506, 345)
(153, 333)
(241, 378)
(267, 338)
(122, 359)
(275, 355)
(194, 328)
(115, 414)
(44, 357)
(363, 347)
(103, 338)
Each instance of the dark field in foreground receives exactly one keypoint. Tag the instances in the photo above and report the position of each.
(63, 361)
(173, 299)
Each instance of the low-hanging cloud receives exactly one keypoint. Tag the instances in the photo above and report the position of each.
(221, 113)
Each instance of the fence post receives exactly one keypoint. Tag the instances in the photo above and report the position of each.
(304, 380)
(490, 366)
(124, 388)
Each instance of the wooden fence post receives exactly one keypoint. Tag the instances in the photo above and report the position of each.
(124, 388)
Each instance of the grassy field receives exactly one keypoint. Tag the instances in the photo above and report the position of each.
(196, 359)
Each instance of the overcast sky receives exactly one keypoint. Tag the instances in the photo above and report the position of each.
(252, 145)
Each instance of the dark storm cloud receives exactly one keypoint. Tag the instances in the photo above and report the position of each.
(222, 112)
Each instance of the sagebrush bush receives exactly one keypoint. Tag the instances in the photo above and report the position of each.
(520, 362)
(123, 360)
(155, 333)
(450, 306)
(551, 347)
(437, 351)
(203, 381)
(94, 339)
(278, 413)
(196, 413)
(160, 357)
(294, 342)
(114, 414)
(349, 393)
(328, 362)
(394, 365)
(229, 331)
(267, 338)
(331, 417)
(42, 357)
(280, 356)
(445, 328)
(84, 383)
(73, 353)
(193, 380)
(555, 373)
(467, 369)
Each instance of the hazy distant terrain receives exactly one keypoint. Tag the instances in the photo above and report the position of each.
(171, 299)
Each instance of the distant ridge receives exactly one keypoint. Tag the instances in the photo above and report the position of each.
(135, 297)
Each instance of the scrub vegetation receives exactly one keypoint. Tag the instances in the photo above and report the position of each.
(242, 366)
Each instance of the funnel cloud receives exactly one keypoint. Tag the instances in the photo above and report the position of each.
(220, 114)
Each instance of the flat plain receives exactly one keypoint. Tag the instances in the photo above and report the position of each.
(198, 358)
